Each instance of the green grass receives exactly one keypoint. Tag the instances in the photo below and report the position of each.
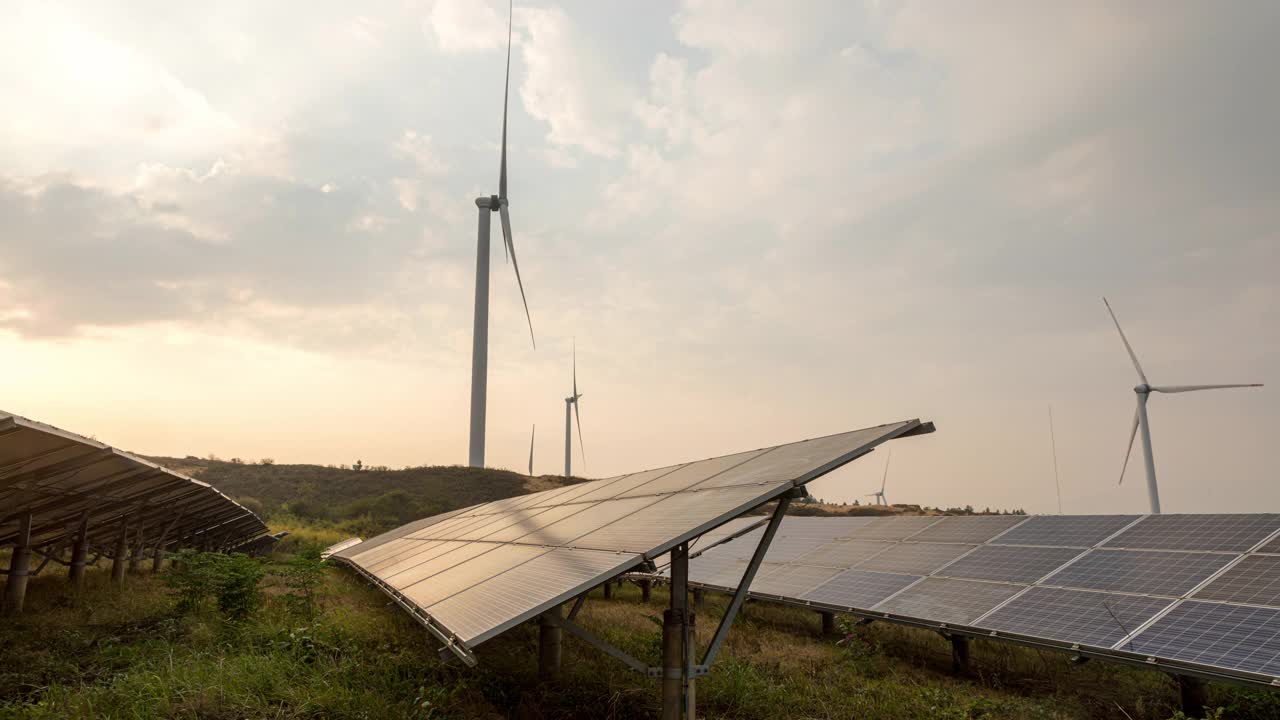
(128, 654)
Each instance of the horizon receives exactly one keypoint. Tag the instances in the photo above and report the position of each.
(252, 235)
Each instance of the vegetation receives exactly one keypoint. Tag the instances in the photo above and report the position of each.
(317, 642)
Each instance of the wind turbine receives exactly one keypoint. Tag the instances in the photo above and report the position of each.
(1143, 390)
(572, 400)
(879, 496)
(480, 332)
(532, 434)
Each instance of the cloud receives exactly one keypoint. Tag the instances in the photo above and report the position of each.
(419, 149)
(462, 26)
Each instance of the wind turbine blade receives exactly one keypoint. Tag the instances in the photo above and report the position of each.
(532, 435)
(575, 370)
(1193, 388)
(885, 479)
(1133, 433)
(511, 247)
(1136, 365)
(506, 91)
(581, 448)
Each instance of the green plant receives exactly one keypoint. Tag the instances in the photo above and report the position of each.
(232, 580)
(303, 576)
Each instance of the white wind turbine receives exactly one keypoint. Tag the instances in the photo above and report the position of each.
(532, 434)
(480, 332)
(1144, 390)
(572, 400)
(879, 496)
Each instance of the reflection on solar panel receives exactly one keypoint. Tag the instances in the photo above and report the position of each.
(66, 480)
(478, 572)
(339, 546)
(1224, 533)
(1074, 616)
(1107, 586)
(1005, 563)
(1148, 573)
(1255, 580)
(1066, 530)
(1230, 636)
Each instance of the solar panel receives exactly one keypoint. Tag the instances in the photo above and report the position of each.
(1235, 637)
(1223, 533)
(977, 529)
(60, 477)
(914, 558)
(1255, 580)
(1149, 573)
(1271, 547)
(1065, 530)
(1007, 563)
(846, 553)
(858, 588)
(1074, 616)
(792, 580)
(893, 528)
(480, 571)
(958, 602)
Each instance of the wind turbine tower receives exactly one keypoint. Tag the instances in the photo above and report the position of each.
(879, 496)
(480, 332)
(570, 411)
(1143, 391)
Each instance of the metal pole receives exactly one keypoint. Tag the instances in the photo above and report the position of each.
(78, 552)
(568, 440)
(15, 586)
(646, 590)
(1153, 493)
(1193, 694)
(549, 645)
(675, 659)
(699, 595)
(959, 654)
(828, 623)
(135, 557)
(122, 550)
(480, 338)
(608, 591)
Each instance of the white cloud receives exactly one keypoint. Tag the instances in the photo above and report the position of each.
(419, 149)
(466, 25)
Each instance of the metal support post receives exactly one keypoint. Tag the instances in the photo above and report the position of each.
(608, 590)
(828, 623)
(675, 660)
(158, 560)
(135, 557)
(549, 644)
(122, 552)
(699, 595)
(1194, 696)
(646, 590)
(959, 654)
(78, 552)
(15, 586)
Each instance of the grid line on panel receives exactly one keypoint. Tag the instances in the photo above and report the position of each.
(1269, 544)
(1024, 564)
(1237, 637)
(1203, 532)
(1254, 580)
(752, 455)
(1083, 617)
(966, 529)
(859, 589)
(1145, 572)
(947, 600)
(1080, 531)
(914, 558)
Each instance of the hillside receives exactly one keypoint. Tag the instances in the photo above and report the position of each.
(362, 501)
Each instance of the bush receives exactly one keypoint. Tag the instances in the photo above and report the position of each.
(232, 580)
(303, 576)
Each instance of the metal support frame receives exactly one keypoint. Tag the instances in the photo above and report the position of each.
(122, 550)
(79, 549)
(1193, 694)
(15, 585)
(608, 590)
(603, 646)
(828, 623)
(158, 558)
(646, 590)
(135, 555)
(549, 645)
(959, 654)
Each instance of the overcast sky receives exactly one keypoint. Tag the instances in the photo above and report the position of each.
(248, 229)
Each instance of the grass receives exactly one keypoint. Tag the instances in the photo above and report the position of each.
(130, 655)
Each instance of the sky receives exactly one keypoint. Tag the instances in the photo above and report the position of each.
(249, 230)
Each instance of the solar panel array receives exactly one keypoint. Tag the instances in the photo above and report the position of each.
(471, 574)
(1197, 591)
(59, 477)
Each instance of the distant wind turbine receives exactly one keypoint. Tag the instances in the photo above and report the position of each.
(480, 332)
(572, 400)
(879, 496)
(532, 434)
(1143, 390)
(1053, 444)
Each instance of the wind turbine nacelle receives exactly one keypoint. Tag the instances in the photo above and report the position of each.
(1142, 389)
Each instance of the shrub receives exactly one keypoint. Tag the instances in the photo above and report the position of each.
(230, 579)
(303, 576)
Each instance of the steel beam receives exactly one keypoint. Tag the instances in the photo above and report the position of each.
(15, 585)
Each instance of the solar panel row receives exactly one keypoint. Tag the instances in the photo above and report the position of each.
(63, 479)
(1164, 585)
(472, 574)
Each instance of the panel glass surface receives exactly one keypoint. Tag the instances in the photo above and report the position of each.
(1066, 530)
(858, 589)
(1225, 533)
(956, 602)
(525, 590)
(914, 558)
(474, 570)
(977, 529)
(693, 474)
(1255, 580)
(1237, 637)
(791, 580)
(801, 460)
(672, 516)
(621, 487)
(890, 528)
(437, 560)
(1007, 563)
(1150, 573)
(1272, 547)
(846, 553)
(1075, 616)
